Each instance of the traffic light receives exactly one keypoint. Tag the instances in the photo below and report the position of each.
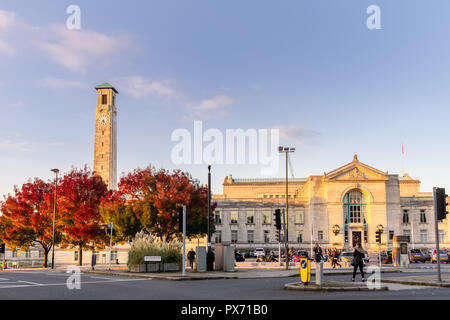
(277, 215)
(2, 248)
(277, 235)
(441, 204)
(378, 236)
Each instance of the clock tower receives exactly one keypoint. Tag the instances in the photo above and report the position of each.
(105, 148)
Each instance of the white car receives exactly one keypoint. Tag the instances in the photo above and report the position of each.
(260, 252)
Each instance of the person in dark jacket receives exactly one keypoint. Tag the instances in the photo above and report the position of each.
(317, 253)
(358, 256)
(191, 258)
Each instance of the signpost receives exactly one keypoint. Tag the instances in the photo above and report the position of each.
(184, 241)
(436, 221)
(111, 227)
(148, 259)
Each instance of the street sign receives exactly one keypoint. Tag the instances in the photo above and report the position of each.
(110, 225)
(152, 258)
(305, 270)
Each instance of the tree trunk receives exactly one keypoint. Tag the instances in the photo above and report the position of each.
(45, 257)
(80, 255)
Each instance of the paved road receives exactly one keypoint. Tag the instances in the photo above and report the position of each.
(52, 285)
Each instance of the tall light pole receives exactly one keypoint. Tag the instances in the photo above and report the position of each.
(286, 151)
(55, 171)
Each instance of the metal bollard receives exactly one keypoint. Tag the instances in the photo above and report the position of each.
(319, 273)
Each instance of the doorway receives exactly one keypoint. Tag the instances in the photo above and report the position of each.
(356, 238)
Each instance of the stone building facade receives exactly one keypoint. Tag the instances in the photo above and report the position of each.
(336, 209)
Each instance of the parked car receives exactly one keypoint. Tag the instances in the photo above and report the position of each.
(366, 257)
(386, 257)
(239, 257)
(259, 252)
(443, 255)
(346, 256)
(427, 254)
(415, 255)
(303, 254)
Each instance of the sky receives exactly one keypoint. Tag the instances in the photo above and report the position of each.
(312, 69)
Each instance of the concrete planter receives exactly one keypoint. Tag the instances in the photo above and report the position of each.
(154, 267)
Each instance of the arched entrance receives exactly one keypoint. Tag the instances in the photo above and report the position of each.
(355, 225)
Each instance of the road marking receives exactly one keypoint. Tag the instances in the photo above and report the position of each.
(33, 284)
(3, 279)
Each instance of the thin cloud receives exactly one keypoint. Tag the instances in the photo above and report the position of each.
(215, 106)
(296, 133)
(78, 49)
(139, 86)
(8, 145)
(56, 83)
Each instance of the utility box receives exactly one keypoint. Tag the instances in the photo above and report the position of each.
(229, 259)
(219, 256)
(400, 252)
(200, 258)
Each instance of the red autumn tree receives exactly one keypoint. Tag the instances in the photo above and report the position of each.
(156, 195)
(27, 217)
(79, 196)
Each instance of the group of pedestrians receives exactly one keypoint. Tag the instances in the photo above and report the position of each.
(357, 262)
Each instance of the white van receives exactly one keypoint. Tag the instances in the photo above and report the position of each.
(260, 252)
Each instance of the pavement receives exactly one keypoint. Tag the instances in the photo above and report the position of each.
(53, 285)
(239, 273)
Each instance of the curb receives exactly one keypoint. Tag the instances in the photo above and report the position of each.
(296, 286)
(415, 283)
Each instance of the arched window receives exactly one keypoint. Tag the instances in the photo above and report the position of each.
(354, 205)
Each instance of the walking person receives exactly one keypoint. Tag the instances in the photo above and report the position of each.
(191, 258)
(335, 258)
(317, 253)
(358, 261)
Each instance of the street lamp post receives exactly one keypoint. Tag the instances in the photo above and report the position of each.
(55, 171)
(286, 151)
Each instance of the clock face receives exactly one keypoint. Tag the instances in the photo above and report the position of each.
(103, 120)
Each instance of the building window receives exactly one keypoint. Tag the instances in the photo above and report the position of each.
(299, 217)
(250, 217)
(234, 217)
(366, 235)
(441, 236)
(391, 235)
(250, 236)
(104, 99)
(271, 196)
(405, 216)
(265, 196)
(320, 235)
(407, 232)
(28, 254)
(354, 205)
(266, 236)
(299, 236)
(113, 255)
(14, 253)
(75, 256)
(218, 217)
(266, 217)
(41, 254)
(234, 236)
(423, 236)
(423, 216)
(218, 238)
(113, 100)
